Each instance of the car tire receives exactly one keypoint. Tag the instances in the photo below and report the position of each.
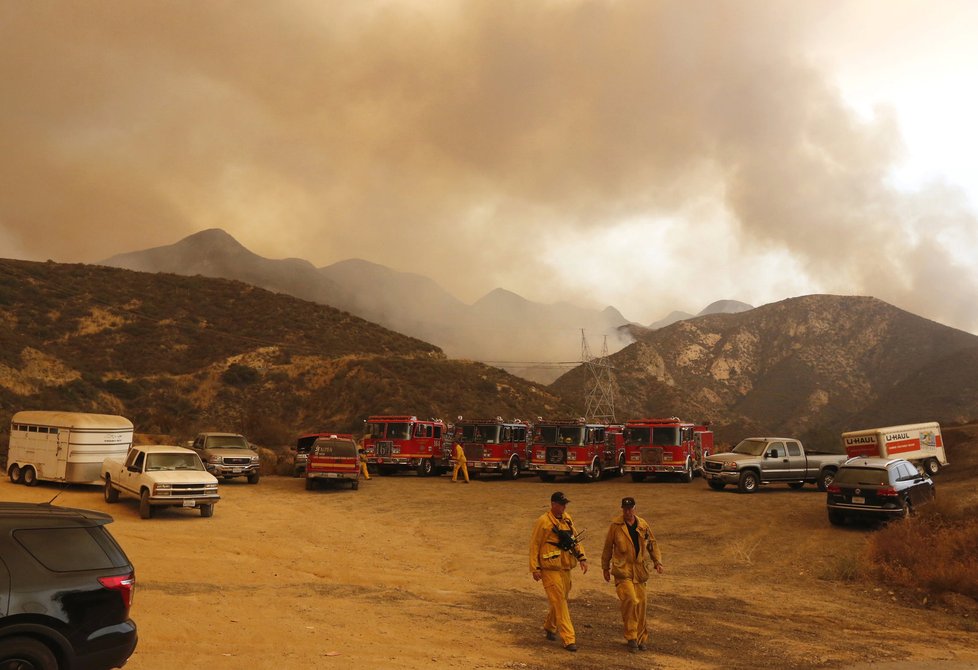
(837, 517)
(29, 475)
(825, 479)
(207, 511)
(254, 478)
(28, 653)
(145, 509)
(749, 482)
(796, 485)
(716, 486)
(16, 474)
(931, 467)
(110, 492)
(514, 469)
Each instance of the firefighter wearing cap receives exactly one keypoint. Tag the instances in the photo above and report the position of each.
(552, 557)
(630, 554)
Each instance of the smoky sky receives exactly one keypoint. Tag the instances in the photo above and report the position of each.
(465, 140)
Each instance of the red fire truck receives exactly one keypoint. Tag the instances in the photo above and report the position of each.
(395, 443)
(574, 446)
(494, 445)
(668, 445)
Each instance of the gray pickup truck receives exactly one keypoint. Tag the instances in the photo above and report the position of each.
(766, 460)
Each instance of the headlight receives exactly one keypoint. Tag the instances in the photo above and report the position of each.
(210, 488)
(730, 465)
(635, 457)
(395, 450)
(539, 454)
(254, 459)
(161, 489)
(213, 459)
(487, 453)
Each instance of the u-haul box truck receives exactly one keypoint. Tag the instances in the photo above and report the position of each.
(64, 446)
(919, 443)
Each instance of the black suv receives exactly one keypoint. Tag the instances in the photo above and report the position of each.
(65, 590)
(878, 488)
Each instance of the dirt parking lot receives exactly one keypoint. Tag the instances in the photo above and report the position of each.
(413, 573)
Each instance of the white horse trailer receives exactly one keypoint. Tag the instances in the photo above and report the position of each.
(64, 446)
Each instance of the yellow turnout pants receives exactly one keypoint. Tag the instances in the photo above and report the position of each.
(364, 471)
(460, 465)
(557, 584)
(632, 598)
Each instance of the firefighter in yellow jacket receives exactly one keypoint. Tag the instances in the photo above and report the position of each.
(460, 463)
(554, 552)
(362, 457)
(630, 554)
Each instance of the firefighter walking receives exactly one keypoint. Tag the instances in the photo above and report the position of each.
(554, 552)
(362, 457)
(630, 554)
(460, 463)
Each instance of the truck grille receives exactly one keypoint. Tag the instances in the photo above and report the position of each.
(237, 461)
(556, 455)
(712, 466)
(190, 490)
(652, 455)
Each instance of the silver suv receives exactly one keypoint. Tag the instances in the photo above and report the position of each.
(880, 488)
(228, 455)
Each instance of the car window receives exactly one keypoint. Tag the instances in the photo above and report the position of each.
(70, 549)
(776, 449)
(862, 476)
(906, 471)
(793, 449)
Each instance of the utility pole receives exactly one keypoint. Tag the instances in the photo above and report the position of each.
(599, 385)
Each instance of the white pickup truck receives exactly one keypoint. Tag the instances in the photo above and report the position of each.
(161, 476)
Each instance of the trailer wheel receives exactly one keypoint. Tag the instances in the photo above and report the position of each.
(110, 492)
(145, 509)
(931, 466)
(29, 476)
(514, 469)
(825, 479)
(716, 486)
(16, 474)
(749, 482)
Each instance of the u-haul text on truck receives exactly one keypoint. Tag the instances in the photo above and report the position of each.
(919, 443)
(64, 446)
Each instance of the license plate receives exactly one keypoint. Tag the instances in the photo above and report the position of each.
(858, 500)
(235, 469)
(189, 503)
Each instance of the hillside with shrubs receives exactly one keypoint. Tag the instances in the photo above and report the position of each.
(181, 354)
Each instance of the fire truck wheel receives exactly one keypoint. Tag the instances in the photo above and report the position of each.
(514, 470)
(748, 482)
(932, 467)
(621, 466)
(425, 467)
(546, 477)
(716, 486)
(310, 484)
(638, 476)
(593, 472)
(687, 474)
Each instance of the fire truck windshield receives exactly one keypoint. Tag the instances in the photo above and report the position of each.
(573, 435)
(481, 434)
(659, 436)
(636, 437)
(394, 431)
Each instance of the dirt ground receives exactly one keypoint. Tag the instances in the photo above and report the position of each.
(415, 573)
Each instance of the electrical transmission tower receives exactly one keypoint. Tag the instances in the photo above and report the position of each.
(599, 387)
